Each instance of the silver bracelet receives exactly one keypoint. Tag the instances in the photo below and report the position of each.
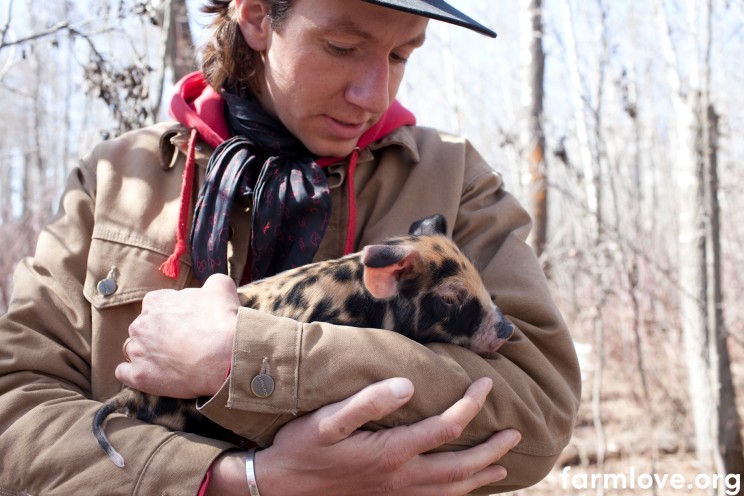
(250, 472)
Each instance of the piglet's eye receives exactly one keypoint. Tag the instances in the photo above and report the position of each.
(452, 297)
(449, 300)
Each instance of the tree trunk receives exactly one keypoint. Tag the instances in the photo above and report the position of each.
(730, 455)
(180, 54)
(533, 136)
(712, 396)
(6, 168)
(730, 458)
(590, 164)
(177, 47)
(691, 252)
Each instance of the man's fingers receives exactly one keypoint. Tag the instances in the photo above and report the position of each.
(434, 432)
(123, 373)
(489, 475)
(391, 459)
(471, 403)
(486, 454)
(340, 420)
(221, 284)
(474, 464)
(460, 472)
(371, 403)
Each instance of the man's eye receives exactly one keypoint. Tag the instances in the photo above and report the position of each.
(339, 50)
(398, 59)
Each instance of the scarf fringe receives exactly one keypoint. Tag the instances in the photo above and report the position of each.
(171, 267)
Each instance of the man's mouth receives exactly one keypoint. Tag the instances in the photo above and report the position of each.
(344, 129)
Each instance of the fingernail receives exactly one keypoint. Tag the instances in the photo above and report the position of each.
(501, 476)
(401, 388)
(517, 437)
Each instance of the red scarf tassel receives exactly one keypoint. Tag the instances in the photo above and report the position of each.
(171, 267)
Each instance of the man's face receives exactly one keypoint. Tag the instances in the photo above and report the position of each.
(333, 67)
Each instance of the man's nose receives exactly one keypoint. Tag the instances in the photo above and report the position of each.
(370, 88)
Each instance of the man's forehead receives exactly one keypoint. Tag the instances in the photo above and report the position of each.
(358, 28)
(354, 19)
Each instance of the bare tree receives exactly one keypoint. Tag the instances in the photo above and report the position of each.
(712, 395)
(533, 136)
(589, 159)
(66, 72)
(177, 46)
(730, 458)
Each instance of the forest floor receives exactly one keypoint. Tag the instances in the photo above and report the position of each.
(649, 443)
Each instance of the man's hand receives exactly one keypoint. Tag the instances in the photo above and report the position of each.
(181, 343)
(324, 453)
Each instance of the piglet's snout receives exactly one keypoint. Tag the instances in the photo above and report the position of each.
(504, 328)
(496, 331)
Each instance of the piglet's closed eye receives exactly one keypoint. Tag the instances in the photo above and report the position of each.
(384, 266)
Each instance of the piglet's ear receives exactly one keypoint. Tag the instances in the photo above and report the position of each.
(435, 224)
(384, 266)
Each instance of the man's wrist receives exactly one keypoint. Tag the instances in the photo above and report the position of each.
(227, 475)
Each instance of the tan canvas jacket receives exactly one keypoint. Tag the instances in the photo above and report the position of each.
(61, 339)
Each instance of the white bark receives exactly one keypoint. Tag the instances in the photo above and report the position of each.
(578, 105)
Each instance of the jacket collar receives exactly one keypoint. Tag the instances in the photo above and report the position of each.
(176, 138)
(403, 137)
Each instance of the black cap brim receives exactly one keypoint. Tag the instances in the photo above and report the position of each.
(435, 9)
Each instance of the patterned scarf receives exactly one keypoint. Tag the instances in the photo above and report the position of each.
(265, 166)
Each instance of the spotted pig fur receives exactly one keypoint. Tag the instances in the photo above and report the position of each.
(420, 285)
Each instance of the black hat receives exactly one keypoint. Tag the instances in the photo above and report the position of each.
(436, 9)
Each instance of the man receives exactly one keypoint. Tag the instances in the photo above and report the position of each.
(299, 109)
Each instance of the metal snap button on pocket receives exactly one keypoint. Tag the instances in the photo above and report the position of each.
(108, 286)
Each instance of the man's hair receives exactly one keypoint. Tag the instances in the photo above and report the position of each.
(226, 55)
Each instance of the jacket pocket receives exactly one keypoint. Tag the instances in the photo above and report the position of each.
(122, 269)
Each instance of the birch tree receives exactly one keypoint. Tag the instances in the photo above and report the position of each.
(588, 164)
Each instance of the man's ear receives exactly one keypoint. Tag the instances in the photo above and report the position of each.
(254, 23)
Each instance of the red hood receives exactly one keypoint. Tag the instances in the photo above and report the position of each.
(197, 105)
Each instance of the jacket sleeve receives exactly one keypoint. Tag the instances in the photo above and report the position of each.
(536, 375)
(46, 442)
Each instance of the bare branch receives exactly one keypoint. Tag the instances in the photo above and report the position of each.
(6, 28)
(62, 26)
